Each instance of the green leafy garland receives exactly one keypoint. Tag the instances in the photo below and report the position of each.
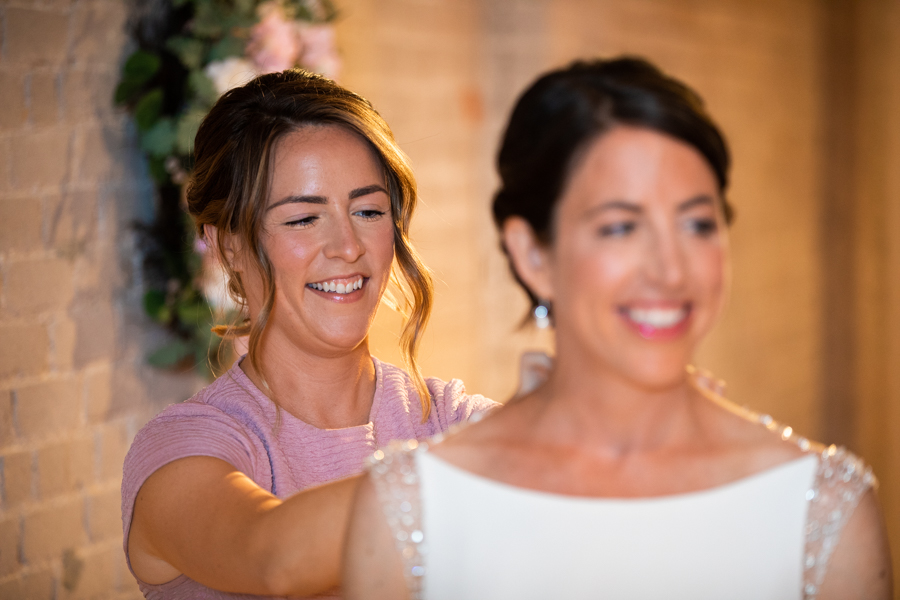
(167, 86)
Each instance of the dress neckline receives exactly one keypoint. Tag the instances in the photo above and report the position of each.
(798, 463)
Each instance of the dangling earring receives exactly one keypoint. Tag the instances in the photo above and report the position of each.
(542, 314)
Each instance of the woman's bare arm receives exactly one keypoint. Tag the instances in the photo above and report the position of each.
(201, 517)
(860, 567)
(372, 569)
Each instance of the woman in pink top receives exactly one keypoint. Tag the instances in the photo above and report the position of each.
(303, 193)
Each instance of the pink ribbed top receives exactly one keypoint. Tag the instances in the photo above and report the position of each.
(233, 420)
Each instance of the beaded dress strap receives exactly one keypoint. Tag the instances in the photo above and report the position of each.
(396, 480)
(841, 479)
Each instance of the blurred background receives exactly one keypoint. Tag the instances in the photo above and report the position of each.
(807, 92)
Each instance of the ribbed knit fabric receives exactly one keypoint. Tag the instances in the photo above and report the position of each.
(233, 420)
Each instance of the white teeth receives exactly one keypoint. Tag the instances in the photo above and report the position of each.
(659, 318)
(338, 288)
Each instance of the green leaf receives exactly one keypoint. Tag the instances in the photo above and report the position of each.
(157, 167)
(194, 314)
(159, 140)
(170, 354)
(210, 21)
(227, 47)
(154, 303)
(148, 108)
(187, 128)
(126, 90)
(140, 67)
(190, 51)
(203, 87)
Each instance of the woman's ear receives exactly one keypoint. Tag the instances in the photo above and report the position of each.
(231, 247)
(529, 257)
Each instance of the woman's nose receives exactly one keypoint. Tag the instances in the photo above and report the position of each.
(666, 261)
(343, 242)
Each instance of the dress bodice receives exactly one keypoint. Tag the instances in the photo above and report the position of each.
(769, 535)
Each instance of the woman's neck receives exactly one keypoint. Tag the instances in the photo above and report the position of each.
(590, 404)
(328, 392)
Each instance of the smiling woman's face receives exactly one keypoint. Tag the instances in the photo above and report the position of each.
(636, 271)
(329, 236)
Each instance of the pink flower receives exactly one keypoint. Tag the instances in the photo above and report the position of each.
(274, 44)
(319, 51)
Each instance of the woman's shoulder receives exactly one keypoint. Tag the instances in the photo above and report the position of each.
(767, 443)
(450, 401)
(224, 420)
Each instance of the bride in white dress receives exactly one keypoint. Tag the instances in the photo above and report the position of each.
(626, 475)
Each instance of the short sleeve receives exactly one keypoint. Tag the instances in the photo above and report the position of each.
(841, 480)
(180, 431)
(453, 404)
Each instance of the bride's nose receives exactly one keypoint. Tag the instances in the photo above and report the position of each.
(665, 260)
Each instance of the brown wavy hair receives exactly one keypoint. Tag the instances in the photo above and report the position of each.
(229, 190)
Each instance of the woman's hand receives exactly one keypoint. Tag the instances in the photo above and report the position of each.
(201, 517)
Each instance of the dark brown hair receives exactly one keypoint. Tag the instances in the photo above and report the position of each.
(565, 110)
(229, 188)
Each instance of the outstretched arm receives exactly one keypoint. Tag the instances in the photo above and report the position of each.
(372, 569)
(860, 567)
(202, 517)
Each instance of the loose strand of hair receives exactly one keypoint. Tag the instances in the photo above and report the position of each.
(421, 287)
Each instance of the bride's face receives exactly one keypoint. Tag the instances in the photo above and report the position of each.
(636, 271)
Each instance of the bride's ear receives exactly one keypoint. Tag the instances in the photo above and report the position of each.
(230, 244)
(529, 257)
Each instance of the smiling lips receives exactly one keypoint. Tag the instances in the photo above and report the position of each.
(658, 323)
(339, 286)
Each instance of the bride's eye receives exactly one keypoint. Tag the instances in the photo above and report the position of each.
(703, 227)
(618, 229)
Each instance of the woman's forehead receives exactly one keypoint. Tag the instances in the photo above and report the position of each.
(638, 165)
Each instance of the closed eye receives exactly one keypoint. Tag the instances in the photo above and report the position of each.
(302, 222)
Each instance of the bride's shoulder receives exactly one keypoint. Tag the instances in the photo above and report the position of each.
(770, 442)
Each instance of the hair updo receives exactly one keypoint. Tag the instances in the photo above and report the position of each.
(565, 110)
(230, 186)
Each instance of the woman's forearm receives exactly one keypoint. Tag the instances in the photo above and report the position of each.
(214, 524)
(303, 539)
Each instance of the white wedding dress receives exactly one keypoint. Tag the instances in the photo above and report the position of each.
(767, 536)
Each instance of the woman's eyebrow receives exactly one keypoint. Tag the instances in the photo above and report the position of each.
(701, 200)
(632, 207)
(294, 199)
(365, 191)
(357, 193)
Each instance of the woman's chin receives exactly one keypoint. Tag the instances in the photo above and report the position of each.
(657, 374)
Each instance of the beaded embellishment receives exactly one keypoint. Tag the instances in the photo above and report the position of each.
(841, 479)
(393, 473)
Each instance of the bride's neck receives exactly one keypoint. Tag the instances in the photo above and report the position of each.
(593, 404)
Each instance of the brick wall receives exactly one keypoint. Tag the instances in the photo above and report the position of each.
(72, 386)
